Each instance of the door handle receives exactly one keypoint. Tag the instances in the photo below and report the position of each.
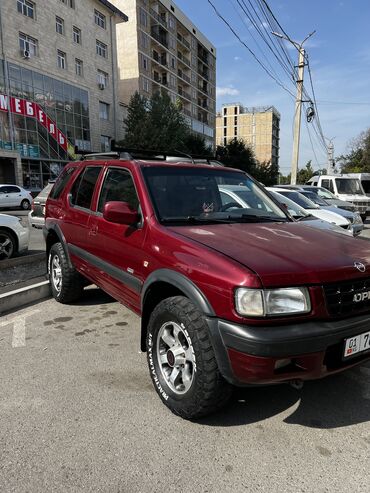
(93, 231)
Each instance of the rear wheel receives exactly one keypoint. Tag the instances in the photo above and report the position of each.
(66, 283)
(182, 362)
(8, 244)
(25, 204)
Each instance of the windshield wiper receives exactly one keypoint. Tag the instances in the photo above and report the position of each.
(256, 218)
(194, 220)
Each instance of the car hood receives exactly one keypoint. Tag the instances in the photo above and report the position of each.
(285, 254)
(338, 203)
(341, 212)
(331, 217)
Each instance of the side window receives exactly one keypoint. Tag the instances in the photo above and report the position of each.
(13, 190)
(2, 189)
(83, 189)
(118, 185)
(61, 183)
(328, 184)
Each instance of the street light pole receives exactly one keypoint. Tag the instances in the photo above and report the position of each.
(298, 103)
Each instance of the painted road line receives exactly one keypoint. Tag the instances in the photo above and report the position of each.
(19, 328)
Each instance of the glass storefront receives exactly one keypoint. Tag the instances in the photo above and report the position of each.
(65, 105)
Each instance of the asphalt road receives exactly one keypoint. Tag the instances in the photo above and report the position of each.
(78, 413)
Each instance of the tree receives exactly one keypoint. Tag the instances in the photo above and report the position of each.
(305, 174)
(236, 154)
(266, 173)
(136, 121)
(155, 123)
(196, 145)
(358, 158)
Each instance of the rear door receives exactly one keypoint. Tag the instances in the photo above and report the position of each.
(117, 248)
(4, 197)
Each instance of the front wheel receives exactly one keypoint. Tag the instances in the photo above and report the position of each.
(7, 244)
(66, 283)
(182, 362)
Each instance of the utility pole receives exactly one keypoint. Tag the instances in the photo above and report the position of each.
(331, 163)
(298, 102)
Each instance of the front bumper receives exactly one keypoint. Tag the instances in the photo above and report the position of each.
(273, 354)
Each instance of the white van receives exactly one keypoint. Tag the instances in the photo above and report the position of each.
(345, 187)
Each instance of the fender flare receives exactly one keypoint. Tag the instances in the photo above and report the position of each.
(182, 283)
(55, 228)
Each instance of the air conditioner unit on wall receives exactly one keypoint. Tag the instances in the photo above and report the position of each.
(26, 54)
(101, 86)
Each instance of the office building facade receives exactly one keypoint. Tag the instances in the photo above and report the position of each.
(58, 85)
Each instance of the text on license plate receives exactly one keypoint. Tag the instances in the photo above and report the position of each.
(357, 344)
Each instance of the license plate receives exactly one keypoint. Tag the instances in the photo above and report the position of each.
(357, 344)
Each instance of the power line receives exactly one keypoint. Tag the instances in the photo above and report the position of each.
(250, 51)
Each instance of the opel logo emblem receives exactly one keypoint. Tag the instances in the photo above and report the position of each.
(359, 266)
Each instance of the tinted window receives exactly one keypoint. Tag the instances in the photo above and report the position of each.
(13, 190)
(3, 190)
(83, 188)
(328, 184)
(118, 186)
(366, 185)
(61, 183)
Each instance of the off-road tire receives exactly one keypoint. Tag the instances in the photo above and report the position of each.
(25, 205)
(208, 391)
(71, 281)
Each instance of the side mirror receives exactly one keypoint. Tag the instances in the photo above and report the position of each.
(120, 213)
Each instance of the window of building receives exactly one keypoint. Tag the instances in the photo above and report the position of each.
(171, 22)
(101, 49)
(100, 19)
(225, 131)
(144, 40)
(79, 67)
(76, 35)
(235, 110)
(143, 17)
(144, 62)
(118, 186)
(61, 59)
(70, 3)
(235, 131)
(172, 80)
(173, 62)
(235, 120)
(104, 143)
(145, 84)
(225, 111)
(59, 25)
(26, 8)
(102, 78)
(225, 121)
(172, 43)
(28, 44)
(103, 111)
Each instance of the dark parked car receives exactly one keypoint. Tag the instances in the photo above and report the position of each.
(226, 296)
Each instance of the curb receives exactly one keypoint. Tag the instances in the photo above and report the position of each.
(24, 260)
(24, 296)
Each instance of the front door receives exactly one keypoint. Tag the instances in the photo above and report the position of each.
(117, 248)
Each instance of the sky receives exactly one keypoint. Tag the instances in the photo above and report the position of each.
(339, 54)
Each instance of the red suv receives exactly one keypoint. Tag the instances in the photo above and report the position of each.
(227, 295)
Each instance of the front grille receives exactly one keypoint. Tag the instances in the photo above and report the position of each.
(340, 297)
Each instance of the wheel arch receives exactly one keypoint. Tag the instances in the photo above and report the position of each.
(52, 235)
(165, 283)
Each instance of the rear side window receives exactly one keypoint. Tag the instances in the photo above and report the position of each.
(13, 190)
(118, 185)
(61, 183)
(83, 189)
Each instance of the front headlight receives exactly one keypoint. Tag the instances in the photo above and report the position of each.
(265, 302)
(357, 219)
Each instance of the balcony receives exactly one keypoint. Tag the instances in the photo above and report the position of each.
(157, 17)
(183, 76)
(160, 36)
(184, 60)
(184, 94)
(183, 41)
(161, 60)
(204, 57)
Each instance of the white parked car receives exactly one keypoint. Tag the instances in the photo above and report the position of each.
(312, 208)
(13, 196)
(14, 237)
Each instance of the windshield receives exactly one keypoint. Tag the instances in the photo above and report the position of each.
(350, 186)
(294, 209)
(299, 199)
(325, 194)
(315, 198)
(190, 195)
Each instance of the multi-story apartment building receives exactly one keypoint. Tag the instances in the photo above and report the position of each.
(160, 49)
(58, 84)
(258, 127)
